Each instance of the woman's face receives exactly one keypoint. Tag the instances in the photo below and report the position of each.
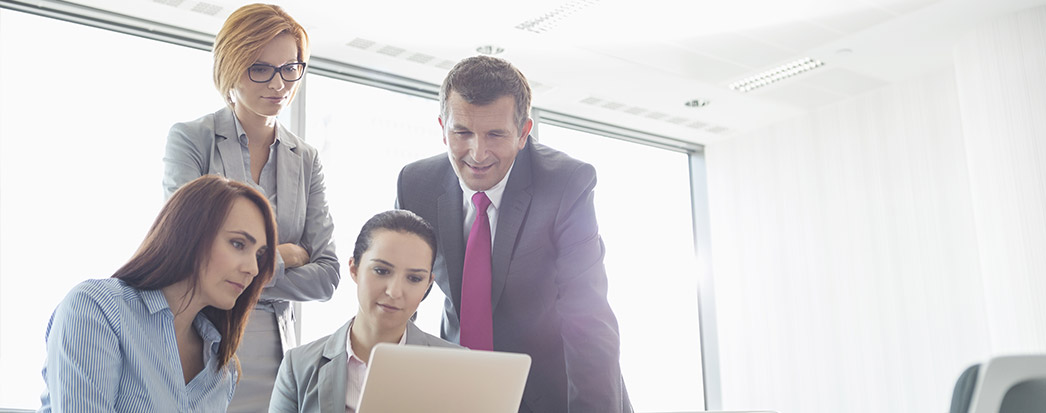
(392, 277)
(268, 98)
(233, 262)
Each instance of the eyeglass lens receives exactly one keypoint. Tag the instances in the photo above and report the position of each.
(263, 73)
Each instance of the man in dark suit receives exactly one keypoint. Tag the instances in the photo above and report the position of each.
(520, 257)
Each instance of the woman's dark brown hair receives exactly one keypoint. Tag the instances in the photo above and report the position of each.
(179, 243)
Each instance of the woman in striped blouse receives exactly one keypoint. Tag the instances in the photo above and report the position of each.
(161, 334)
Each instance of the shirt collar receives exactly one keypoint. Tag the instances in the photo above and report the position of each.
(348, 341)
(494, 194)
(241, 136)
(208, 332)
(155, 302)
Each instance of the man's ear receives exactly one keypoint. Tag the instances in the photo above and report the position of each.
(442, 129)
(525, 133)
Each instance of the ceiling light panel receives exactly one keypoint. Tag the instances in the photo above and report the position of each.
(776, 74)
(549, 20)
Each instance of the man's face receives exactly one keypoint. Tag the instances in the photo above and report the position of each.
(482, 141)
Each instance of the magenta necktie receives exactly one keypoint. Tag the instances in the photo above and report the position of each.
(477, 325)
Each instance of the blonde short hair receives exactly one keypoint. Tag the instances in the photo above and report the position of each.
(245, 33)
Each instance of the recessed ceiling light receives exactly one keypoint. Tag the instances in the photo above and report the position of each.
(490, 49)
(549, 20)
(776, 74)
(697, 103)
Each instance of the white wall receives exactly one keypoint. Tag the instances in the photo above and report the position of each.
(1001, 72)
(865, 254)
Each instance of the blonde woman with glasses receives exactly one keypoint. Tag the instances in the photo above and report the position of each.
(260, 57)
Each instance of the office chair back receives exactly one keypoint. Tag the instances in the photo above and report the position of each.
(1006, 384)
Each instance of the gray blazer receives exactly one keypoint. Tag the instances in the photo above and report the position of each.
(313, 377)
(208, 145)
(549, 286)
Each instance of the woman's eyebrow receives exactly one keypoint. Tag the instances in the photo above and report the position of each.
(250, 238)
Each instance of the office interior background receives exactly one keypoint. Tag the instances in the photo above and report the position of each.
(848, 239)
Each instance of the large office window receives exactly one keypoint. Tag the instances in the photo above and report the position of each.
(365, 136)
(84, 115)
(643, 206)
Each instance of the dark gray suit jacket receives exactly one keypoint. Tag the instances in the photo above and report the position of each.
(314, 377)
(549, 285)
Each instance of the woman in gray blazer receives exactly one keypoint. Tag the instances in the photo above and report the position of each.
(392, 267)
(260, 54)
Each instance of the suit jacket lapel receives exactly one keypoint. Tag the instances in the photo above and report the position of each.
(333, 379)
(288, 181)
(228, 144)
(452, 238)
(415, 336)
(514, 205)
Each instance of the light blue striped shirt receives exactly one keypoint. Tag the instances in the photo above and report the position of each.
(111, 348)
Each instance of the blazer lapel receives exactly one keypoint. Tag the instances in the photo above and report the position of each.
(452, 239)
(288, 183)
(514, 205)
(415, 336)
(333, 380)
(228, 144)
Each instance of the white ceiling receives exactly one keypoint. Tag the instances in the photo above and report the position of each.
(635, 63)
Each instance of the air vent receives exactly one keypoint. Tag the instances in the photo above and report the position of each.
(391, 50)
(420, 58)
(207, 8)
(361, 43)
(646, 113)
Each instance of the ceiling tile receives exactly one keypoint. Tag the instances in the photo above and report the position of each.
(840, 81)
(738, 49)
(675, 60)
(799, 95)
(797, 37)
(903, 6)
(854, 20)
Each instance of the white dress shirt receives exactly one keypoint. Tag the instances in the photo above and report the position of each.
(495, 193)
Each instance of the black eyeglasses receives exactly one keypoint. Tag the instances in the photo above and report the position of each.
(263, 73)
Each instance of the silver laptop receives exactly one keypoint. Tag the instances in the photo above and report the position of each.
(434, 379)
